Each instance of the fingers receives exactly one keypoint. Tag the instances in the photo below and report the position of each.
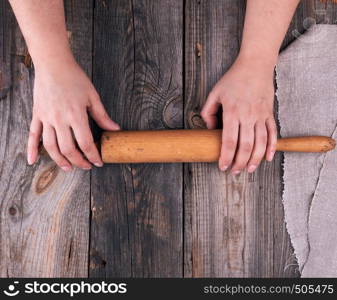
(209, 111)
(229, 141)
(86, 143)
(99, 114)
(260, 145)
(245, 147)
(253, 143)
(35, 132)
(50, 144)
(68, 148)
(272, 138)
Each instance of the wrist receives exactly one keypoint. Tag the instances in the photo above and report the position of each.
(264, 62)
(53, 62)
(56, 56)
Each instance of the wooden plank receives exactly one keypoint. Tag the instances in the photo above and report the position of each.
(233, 225)
(137, 209)
(214, 202)
(44, 222)
(310, 12)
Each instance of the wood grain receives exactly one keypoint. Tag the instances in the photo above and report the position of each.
(154, 64)
(197, 145)
(214, 202)
(229, 221)
(44, 221)
(137, 209)
(310, 12)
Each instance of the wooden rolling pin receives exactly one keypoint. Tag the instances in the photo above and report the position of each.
(187, 145)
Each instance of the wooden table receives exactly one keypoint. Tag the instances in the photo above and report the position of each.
(153, 63)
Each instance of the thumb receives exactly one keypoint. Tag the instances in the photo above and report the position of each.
(101, 117)
(209, 112)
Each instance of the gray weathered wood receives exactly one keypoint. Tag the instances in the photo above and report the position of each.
(310, 12)
(214, 202)
(146, 220)
(137, 209)
(233, 225)
(44, 225)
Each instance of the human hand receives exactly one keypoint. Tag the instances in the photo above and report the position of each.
(246, 95)
(63, 97)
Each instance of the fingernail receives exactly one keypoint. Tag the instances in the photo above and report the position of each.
(237, 172)
(98, 164)
(223, 168)
(86, 168)
(251, 168)
(271, 156)
(29, 159)
(116, 126)
(66, 168)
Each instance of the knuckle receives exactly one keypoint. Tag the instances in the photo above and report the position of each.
(274, 136)
(248, 120)
(246, 146)
(273, 143)
(100, 112)
(104, 115)
(229, 144)
(33, 134)
(95, 96)
(86, 146)
(262, 140)
(272, 124)
(53, 119)
(74, 117)
(229, 108)
(49, 146)
(68, 151)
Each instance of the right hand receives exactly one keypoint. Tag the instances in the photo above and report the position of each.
(63, 97)
(246, 95)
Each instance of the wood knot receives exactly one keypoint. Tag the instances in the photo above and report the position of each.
(12, 211)
(173, 113)
(195, 121)
(27, 60)
(198, 50)
(46, 178)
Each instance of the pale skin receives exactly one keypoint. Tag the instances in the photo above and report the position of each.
(63, 94)
(246, 91)
(64, 97)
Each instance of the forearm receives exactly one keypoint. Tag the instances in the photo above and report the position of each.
(43, 26)
(266, 24)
